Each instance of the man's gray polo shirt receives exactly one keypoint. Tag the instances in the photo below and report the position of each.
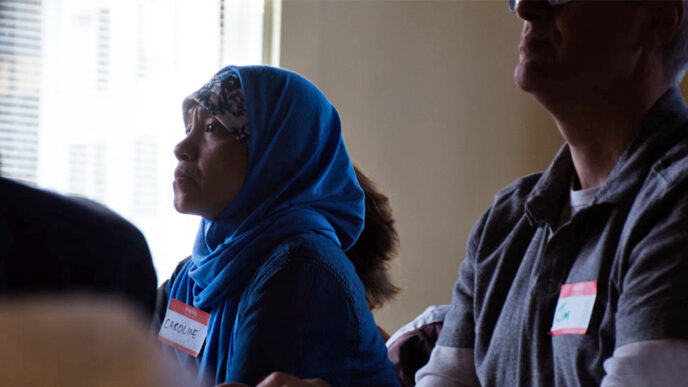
(632, 240)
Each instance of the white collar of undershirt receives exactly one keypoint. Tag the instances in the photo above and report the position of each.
(581, 198)
(578, 199)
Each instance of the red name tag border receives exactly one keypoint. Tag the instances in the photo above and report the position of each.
(570, 290)
(189, 311)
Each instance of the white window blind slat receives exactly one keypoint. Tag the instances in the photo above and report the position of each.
(20, 53)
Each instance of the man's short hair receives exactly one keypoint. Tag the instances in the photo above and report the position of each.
(676, 59)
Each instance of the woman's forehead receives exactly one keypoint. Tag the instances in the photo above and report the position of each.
(195, 109)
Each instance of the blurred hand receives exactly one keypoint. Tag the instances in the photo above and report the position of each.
(279, 379)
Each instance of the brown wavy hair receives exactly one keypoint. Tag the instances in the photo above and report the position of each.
(377, 245)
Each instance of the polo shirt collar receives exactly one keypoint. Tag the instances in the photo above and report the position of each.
(660, 129)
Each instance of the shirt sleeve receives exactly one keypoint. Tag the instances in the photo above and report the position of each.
(648, 363)
(451, 361)
(448, 367)
(458, 330)
(652, 277)
(301, 320)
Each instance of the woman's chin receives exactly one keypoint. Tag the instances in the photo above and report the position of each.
(181, 206)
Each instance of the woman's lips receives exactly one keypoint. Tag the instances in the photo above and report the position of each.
(181, 175)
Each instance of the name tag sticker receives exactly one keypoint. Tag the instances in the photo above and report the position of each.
(184, 327)
(574, 308)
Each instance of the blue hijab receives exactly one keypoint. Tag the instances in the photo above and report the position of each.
(299, 180)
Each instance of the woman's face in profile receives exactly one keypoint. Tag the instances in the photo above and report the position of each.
(212, 166)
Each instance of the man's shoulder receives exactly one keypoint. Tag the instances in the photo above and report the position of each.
(519, 189)
(509, 202)
(672, 167)
(507, 210)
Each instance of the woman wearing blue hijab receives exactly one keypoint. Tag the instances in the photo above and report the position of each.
(265, 166)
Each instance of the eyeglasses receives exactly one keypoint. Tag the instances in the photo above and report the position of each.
(513, 4)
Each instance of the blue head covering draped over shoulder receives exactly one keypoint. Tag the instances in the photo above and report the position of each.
(299, 180)
(299, 177)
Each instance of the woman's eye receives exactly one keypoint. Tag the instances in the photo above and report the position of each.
(210, 128)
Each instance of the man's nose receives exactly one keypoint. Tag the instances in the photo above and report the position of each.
(532, 10)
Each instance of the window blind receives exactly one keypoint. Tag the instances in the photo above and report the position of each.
(20, 68)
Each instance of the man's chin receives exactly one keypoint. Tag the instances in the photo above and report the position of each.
(532, 74)
(528, 78)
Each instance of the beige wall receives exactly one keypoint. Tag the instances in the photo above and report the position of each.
(430, 110)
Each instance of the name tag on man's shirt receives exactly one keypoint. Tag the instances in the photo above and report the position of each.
(574, 308)
(184, 327)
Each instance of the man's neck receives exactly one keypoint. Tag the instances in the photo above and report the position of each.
(599, 128)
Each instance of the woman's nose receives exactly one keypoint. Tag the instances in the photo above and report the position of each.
(186, 150)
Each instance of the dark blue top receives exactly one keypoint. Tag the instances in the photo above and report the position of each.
(303, 312)
(631, 239)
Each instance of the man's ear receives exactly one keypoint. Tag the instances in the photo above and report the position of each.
(665, 19)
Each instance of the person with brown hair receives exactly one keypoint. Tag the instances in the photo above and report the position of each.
(377, 245)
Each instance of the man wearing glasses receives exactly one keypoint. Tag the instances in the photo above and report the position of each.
(579, 276)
